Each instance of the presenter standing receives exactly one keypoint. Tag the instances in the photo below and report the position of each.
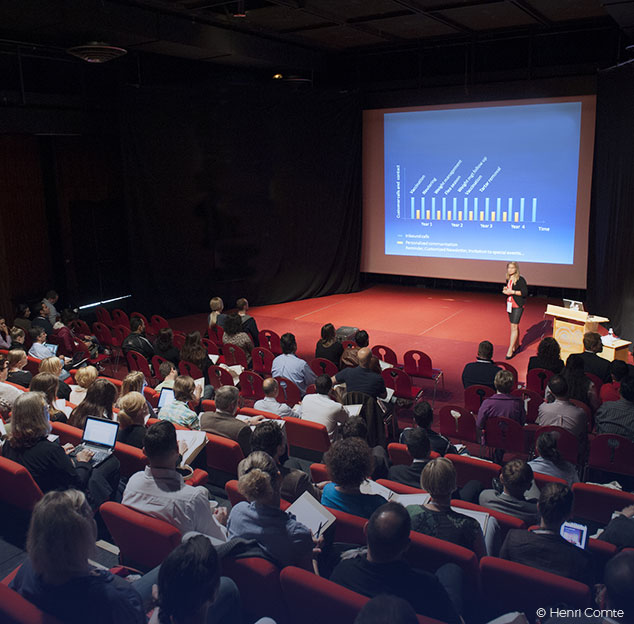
(516, 292)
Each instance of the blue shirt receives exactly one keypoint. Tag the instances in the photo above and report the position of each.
(277, 532)
(363, 505)
(179, 413)
(297, 370)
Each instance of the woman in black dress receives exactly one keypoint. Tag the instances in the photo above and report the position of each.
(516, 292)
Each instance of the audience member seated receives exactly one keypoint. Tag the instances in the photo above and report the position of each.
(136, 340)
(17, 360)
(8, 393)
(362, 378)
(482, 372)
(419, 448)
(55, 366)
(48, 384)
(41, 318)
(23, 317)
(516, 479)
(169, 373)
(50, 300)
(320, 408)
(548, 356)
(280, 536)
(290, 366)
(134, 381)
(544, 548)
(616, 593)
(40, 351)
(57, 575)
(216, 317)
(235, 335)
(386, 608)
(349, 462)
(424, 417)
(132, 416)
(356, 427)
(328, 347)
(191, 590)
(436, 518)
(620, 529)
(350, 357)
(550, 461)
(269, 438)
(382, 568)
(502, 404)
(248, 322)
(48, 462)
(270, 403)
(579, 386)
(99, 401)
(161, 492)
(561, 412)
(223, 421)
(84, 378)
(164, 346)
(593, 363)
(194, 351)
(178, 411)
(610, 391)
(18, 338)
(618, 416)
(5, 337)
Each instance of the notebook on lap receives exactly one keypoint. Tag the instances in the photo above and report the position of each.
(100, 437)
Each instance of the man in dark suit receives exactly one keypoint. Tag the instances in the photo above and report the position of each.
(482, 372)
(418, 446)
(223, 422)
(592, 363)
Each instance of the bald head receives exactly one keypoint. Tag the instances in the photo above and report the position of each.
(364, 356)
(270, 387)
(388, 532)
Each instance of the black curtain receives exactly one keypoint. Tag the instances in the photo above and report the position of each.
(611, 252)
(241, 191)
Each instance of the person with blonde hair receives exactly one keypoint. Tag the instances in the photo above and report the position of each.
(132, 414)
(516, 291)
(47, 384)
(278, 533)
(84, 378)
(437, 518)
(57, 575)
(17, 360)
(216, 317)
(99, 401)
(55, 366)
(134, 381)
(18, 338)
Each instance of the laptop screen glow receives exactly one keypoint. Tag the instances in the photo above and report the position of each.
(98, 431)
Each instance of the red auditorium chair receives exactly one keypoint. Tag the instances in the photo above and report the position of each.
(567, 443)
(474, 395)
(537, 379)
(586, 408)
(188, 368)
(542, 479)
(262, 361)
(32, 365)
(596, 380)
(67, 433)
(401, 383)
(251, 386)
(306, 434)
(319, 473)
(611, 453)
(385, 354)
(506, 521)
(511, 369)
(270, 340)
(234, 355)
(143, 541)
(233, 492)
(17, 487)
(215, 334)
(458, 423)
(119, 334)
(159, 323)
(418, 365)
(322, 366)
(597, 503)
(178, 339)
(17, 610)
(399, 454)
(399, 488)
(219, 377)
(223, 454)
(506, 434)
(509, 586)
(119, 317)
(131, 458)
(103, 316)
(468, 468)
(137, 362)
(211, 346)
(157, 360)
(79, 327)
(289, 392)
(106, 339)
(532, 401)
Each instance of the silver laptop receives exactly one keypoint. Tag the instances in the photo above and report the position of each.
(571, 304)
(100, 436)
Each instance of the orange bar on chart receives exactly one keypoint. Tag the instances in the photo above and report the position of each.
(481, 215)
(418, 214)
(470, 215)
(459, 215)
(428, 216)
(449, 215)
(504, 216)
(493, 216)
(517, 217)
(438, 215)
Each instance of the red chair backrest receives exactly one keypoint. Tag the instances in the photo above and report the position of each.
(79, 326)
(596, 380)
(612, 453)
(532, 401)
(474, 395)
(542, 479)
(468, 468)
(32, 365)
(318, 473)
(399, 381)
(289, 392)
(211, 346)
(131, 458)
(215, 334)
(417, 364)
(262, 360)
(597, 502)
(223, 454)
(322, 366)
(120, 318)
(119, 334)
(102, 333)
(504, 433)
(17, 486)
(537, 379)
(67, 433)
(18, 610)
(586, 408)
(188, 368)
(158, 322)
(458, 423)
(567, 443)
(348, 527)
(399, 454)
(399, 488)
(509, 586)
(270, 340)
(103, 316)
(506, 521)
(234, 355)
(233, 492)
(251, 385)
(385, 353)
(143, 541)
(137, 362)
(306, 434)
(219, 377)
(157, 360)
(511, 369)
(178, 339)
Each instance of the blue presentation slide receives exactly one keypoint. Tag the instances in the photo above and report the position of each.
(494, 183)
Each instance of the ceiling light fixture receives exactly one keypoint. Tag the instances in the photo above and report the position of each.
(97, 52)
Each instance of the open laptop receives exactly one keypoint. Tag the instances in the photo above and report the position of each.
(166, 397)
(572, 304)
(100, 436)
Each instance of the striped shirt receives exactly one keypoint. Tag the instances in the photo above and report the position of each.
(616, 417)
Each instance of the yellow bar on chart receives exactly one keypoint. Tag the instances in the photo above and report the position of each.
(428, 216)
(504, 216)
(459, 215)
(449, 215)
(470, 215)
(438, 215)
(481, 215)
(517, 217)
(418, 214)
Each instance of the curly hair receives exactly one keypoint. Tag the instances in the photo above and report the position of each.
(549, 351)
(349, 462)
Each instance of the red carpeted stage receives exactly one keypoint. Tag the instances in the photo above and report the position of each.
(447, 325)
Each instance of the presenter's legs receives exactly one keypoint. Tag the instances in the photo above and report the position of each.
(514, 342)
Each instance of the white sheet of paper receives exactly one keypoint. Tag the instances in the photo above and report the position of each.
(385, 365)
(193, 439)
(213, 357)
(353, 409)
(200, 383)
(311, 514)
(412, 499)
(480, 516)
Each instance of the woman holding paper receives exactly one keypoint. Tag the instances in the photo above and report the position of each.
(516, 292)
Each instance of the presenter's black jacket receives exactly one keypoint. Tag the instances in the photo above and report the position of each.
(523, 288)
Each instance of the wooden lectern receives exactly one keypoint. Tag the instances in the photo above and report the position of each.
(569, 326)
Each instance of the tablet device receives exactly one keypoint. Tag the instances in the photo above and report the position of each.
(574, 533)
